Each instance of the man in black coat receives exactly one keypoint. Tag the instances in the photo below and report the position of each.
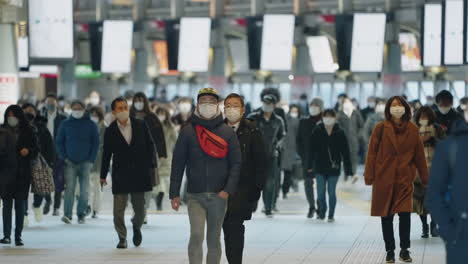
(54, 119)
(128, 142)
(446, 115)
(273, 132)
(252, 177)
(304, 137)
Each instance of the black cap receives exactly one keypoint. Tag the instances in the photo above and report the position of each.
(269, 99)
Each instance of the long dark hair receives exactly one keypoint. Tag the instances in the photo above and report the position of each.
(165, 112)
(146, 107)
(18, 113)
(431, 115)
(406, 117)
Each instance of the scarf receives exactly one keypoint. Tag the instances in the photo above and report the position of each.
(428, 145)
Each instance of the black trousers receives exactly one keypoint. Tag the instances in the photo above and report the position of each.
(309, 189)
(234, 236)
(405, 230)
(20, 208)
(39, 198)
(287, 181)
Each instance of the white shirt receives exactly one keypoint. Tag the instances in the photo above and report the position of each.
(126, 131)
(235, 127)
(51, 122)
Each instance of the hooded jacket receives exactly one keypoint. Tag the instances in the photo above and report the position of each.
(204, 172)
(78, 140)
(449, 171)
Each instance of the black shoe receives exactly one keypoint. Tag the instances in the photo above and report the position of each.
(95, 215)
(88, 211)
(56, 212)
(81, 220)
(159, 200)
(285, 196)
(405, 256)
(425, 232)
(268, 213)
(46, 209)
(390, 257)
(275, 209)
(6, 241)
(311, 213)
(434, 230)
(122, 244)
(19, 242)
(137, 237)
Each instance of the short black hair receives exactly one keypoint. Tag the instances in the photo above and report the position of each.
(116, 100)
(27, 105)
(53, 96)
(99, 112)
(429, 113)
(234, 95)
(329, 112)
(77, 102)
(444, 96)
(464, 100)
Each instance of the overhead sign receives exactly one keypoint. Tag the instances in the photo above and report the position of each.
(194, 44)
(51, 29)
(277, 42)
(117, 46)
(432, 35)
(453, 32)
(85, 71)
(9, 92)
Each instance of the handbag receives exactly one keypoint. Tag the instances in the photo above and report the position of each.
(42, 181)
(210, 143)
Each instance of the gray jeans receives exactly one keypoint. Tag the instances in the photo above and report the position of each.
(120, 203)
(209, 209)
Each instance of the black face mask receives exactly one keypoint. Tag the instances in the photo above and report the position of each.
(30, 117)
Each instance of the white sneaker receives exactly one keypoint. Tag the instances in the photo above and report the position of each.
(38, 214)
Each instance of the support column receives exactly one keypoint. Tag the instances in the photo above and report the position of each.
(177, 8)
(302, 82)
(391, 76)
(140, 74)
(217, 78)
(257, 7)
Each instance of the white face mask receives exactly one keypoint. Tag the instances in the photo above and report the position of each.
(12, 121)
(77, 114)
(314, 110)
(424, 122)
(397, 111)
(380, 109)
(348, 108)
(463, 107)
(162, 118)
(294, 114)
(139, 106)
(94, 100)
(95, 119)
(233, 114)
(122, 116)
(185, 108)
(329, 121)
(268, 108)
(444, 110)
(208, 111)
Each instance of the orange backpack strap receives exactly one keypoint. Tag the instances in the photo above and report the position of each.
(211, 143)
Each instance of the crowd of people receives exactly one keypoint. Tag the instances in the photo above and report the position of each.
(218, 157)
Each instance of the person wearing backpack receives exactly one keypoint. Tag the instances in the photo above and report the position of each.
(209, 150)
(446, 196)
(17, 190)
(394, 155)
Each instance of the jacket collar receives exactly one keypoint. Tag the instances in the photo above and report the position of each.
(209, 124)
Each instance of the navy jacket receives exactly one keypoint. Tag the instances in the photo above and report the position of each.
(78, 140)
(452, 216)
(205, 173)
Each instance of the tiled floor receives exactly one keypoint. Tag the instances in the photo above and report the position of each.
(288, 238)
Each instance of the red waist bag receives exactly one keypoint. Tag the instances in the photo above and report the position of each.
(211, 143)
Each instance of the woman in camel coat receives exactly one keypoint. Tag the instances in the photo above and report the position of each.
(395, 153)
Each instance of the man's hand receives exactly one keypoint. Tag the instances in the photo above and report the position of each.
(175, 202)
(103, 182)
(24, 152)
(223, 195)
